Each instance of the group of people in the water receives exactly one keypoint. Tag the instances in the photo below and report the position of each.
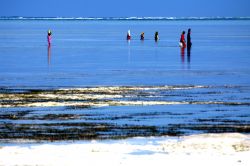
(182, 43)
(142, 36)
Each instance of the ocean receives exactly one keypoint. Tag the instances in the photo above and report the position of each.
(92, 83)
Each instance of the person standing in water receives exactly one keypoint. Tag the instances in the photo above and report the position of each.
(142, 36)
(189, 43)
(182, 40)
(156, 36)
(128, 35)
(49, 37)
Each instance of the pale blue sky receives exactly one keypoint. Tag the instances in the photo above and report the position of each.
(124, 8)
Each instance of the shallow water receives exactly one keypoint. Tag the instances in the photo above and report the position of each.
(160, 89)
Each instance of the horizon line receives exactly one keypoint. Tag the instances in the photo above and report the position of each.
(125, 18)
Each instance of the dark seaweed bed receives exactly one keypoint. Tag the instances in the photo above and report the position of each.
(185, 110)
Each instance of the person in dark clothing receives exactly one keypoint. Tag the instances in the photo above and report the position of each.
(142, 36)
(156, 36)
(189, 43)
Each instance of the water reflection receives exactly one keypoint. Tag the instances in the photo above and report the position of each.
(188, 56)
(183, 54)
(156, 49)
(49, 54)
(129, 51)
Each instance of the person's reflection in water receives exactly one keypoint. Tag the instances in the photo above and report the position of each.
(129, 51)
(156, 50)
(188, 57)
(189, 54)
(49, 54)
(183, 54)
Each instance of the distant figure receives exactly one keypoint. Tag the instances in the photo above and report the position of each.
(182, 40)
(128, 35)
(156, 36)
(49, 37)
(189, 43)
(142, 36)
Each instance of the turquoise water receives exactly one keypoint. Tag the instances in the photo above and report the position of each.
(93, 53)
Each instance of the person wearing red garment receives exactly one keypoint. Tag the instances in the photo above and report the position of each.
(182, 40)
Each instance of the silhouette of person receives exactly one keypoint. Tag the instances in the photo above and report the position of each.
(142, 36)
(156, 36)
(189, 43)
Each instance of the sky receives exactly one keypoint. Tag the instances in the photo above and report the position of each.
(125, 8)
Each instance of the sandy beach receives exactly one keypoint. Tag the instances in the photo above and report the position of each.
(205, 149)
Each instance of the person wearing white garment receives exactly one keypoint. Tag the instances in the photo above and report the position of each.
(128, 35)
